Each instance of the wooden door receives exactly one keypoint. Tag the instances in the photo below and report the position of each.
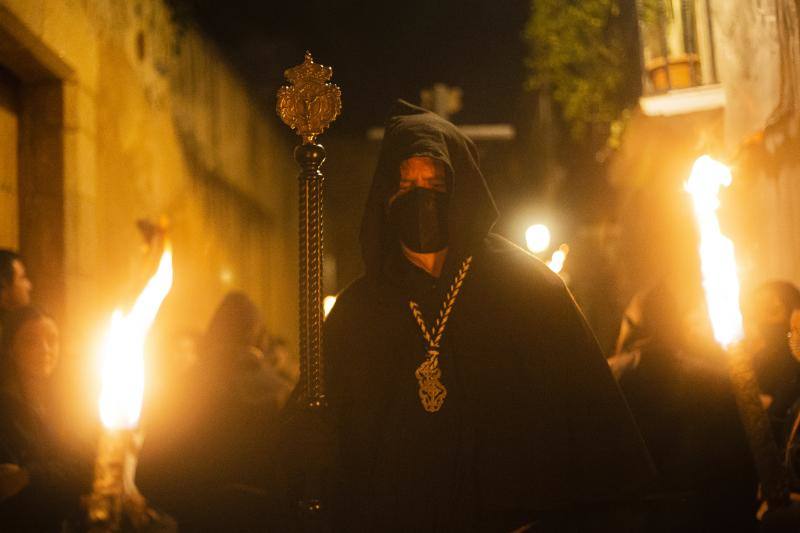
(9, 139)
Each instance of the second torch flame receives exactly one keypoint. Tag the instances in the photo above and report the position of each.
(122, 351)
(717, 260)
(721, 285)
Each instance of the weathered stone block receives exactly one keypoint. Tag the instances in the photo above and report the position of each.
(79, 109)
(80, 235)
(80, 164)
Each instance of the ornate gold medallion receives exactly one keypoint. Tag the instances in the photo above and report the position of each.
(431, 390)
(310, 103)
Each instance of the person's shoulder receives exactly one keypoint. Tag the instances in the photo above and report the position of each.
(509, 262)
(11, 404)
(356, 291)
(10, 394)
(352, 298)
(701, 372)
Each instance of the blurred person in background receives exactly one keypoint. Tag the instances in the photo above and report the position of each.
(684, 405)
(41, 482)
(15, 287)
(766, 314)
(788, 519)
(172, 356)
(230, 358)
(279, 358)
(218, 437)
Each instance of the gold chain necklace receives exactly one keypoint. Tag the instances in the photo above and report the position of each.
(431, 390)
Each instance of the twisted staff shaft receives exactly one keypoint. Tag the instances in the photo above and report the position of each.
(310, 158)
(308, 105)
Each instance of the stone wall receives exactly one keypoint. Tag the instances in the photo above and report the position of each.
(748, 64)
(756, 133)
(127, 115)
(757, 46)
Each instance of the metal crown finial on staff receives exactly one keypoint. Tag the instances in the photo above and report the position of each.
(311, 102)
(308, 105)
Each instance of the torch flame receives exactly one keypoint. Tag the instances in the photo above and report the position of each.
(717, 260)
(556, 263)
(122, 351)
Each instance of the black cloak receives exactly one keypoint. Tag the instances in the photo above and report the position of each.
(57, 480)
(533, 422)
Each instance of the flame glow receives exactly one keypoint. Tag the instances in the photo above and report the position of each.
(327, 304)
(537, 237)
(717, 260)
(122, 351)
(556, 262)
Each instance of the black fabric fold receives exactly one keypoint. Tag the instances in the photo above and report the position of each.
(534, 425)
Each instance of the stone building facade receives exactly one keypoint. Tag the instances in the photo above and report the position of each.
(112, 112)
(759, 44)
(747, 115)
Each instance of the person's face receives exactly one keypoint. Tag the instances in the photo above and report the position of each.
(18, 293)
(35, 348)
(769, 309)
(794, 334)
(771, 319)
(420, 172)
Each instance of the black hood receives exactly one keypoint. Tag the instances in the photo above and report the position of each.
(413, 131)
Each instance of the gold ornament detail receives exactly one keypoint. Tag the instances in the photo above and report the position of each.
(432, 392)
(311, 102)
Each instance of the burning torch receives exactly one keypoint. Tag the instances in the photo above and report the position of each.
(721, 287)
(115, 503)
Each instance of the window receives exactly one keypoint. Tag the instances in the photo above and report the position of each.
(677, 45)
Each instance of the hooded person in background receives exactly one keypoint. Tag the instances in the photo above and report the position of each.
(677, 387)
(767, 313)
(219, 435)
(466, 391)
(787, 519)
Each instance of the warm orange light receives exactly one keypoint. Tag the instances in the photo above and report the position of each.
(327, 305)
(537, 237)
(556, 262)
(122, 351)
(717, 260)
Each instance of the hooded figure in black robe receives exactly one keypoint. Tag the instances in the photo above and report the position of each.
(533, 425)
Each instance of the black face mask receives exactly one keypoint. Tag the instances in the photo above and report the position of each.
(420, 219)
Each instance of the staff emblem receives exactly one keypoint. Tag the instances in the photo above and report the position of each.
(311, 102)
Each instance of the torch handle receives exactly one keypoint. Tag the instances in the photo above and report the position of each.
(771, 470)
(105, 504)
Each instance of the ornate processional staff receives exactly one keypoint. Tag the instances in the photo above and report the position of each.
(308, 105)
